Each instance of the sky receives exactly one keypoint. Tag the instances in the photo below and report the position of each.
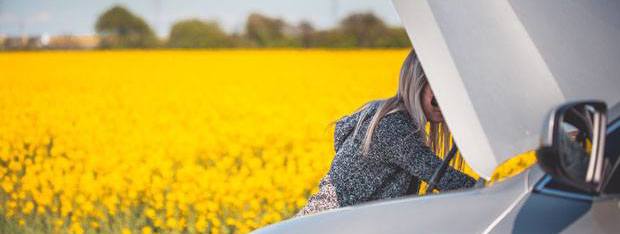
(54, 17)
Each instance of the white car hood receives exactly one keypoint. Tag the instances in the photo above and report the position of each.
(470, 211)
(497, 67)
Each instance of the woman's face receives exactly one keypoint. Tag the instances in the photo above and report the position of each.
(430, 106)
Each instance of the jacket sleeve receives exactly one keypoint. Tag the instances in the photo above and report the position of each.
(395, 142)
(414, 156)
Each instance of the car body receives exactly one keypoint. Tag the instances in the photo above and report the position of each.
(526, 203)
(498, 68)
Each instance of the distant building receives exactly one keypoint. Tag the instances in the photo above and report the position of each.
(64, 42)
(73, 42)
(33, 43)
(22, 43)
(2, 39)
(15, 43)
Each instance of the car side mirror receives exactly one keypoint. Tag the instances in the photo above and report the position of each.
(573, 143)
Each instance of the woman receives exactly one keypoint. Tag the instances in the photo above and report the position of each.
(382, 150)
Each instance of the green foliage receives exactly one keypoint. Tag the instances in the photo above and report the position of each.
(394, 38)
(307, 34)
(365, 28)
(198, 34)
(334, 38)
(354, 31)
(264, 31)
(119, 28)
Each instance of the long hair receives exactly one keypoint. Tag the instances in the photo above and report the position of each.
(408, 98)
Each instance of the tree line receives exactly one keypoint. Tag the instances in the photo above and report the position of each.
(118, 27)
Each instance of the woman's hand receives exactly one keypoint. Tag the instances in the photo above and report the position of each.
(430, 106)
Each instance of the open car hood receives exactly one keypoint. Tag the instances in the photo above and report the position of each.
(498, 67)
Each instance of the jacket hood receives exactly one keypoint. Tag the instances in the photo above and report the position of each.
(345, 126)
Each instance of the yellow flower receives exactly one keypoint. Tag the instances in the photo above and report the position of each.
(125, 231)
(28, 207)
(201, 224)
(171, 223)
(76, 228)
(147, 230)
(7, 186)
(222, 140)
(150, 213)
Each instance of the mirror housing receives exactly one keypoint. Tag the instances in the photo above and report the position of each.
(573, 143)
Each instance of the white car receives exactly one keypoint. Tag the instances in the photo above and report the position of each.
(511, 76)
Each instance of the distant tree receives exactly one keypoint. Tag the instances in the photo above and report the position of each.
(307, 34)
(365, 28)
(119, 28)
(194, 33)
(334, 38)
(395, 37)
(265, 31)
(238, 40)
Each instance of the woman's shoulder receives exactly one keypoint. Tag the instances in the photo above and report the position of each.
(394, 127)
(397, 121)
(345, 126)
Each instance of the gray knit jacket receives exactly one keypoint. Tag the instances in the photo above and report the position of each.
(397, 160)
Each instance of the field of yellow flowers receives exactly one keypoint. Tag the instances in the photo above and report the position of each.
(175, 141)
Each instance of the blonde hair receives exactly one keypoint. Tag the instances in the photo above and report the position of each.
(408, 98)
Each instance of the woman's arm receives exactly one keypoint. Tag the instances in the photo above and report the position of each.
(395, 142)
(414, 156)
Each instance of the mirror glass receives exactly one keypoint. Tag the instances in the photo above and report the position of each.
(574, 148)
(577, 138)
